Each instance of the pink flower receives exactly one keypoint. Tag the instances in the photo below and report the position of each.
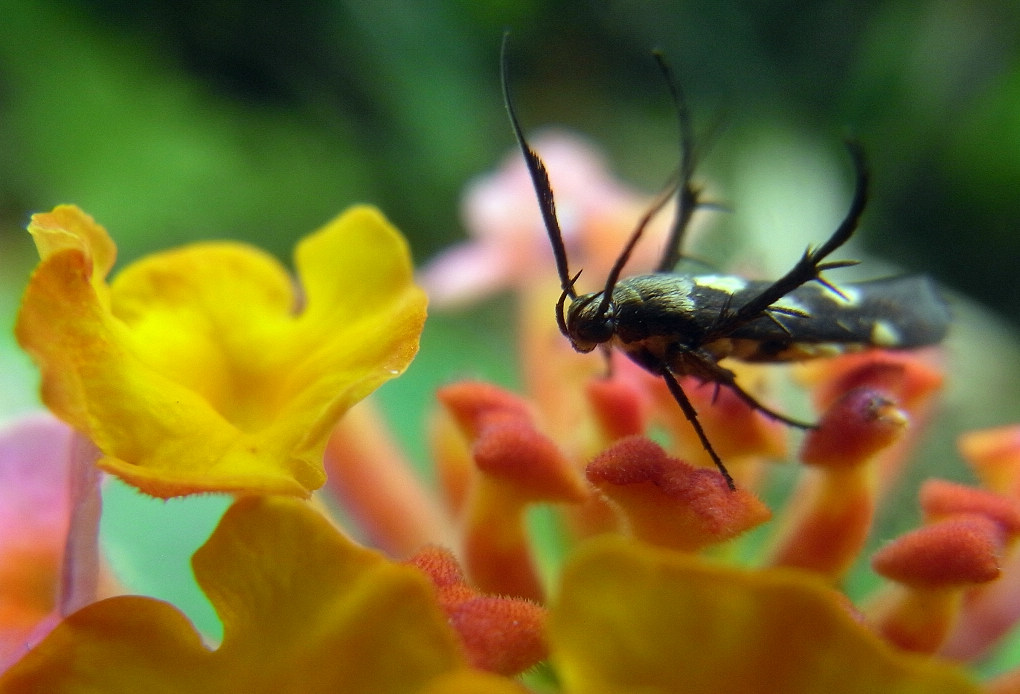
(510, 248)
(49, 521)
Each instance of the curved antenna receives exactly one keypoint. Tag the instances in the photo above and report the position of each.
(539, 178)
(621, 260)
(561, 319)
(687, 194)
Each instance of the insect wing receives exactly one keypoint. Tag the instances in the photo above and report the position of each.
(893, 313)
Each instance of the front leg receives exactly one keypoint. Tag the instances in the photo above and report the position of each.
(692, 416)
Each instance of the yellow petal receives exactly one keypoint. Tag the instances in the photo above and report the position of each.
(119, 645)
(67, 227)
(300, 603)
(304, 611)
(205, 372)
(633, 618)
(473, 682)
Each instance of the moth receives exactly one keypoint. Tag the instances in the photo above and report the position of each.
(677, 325)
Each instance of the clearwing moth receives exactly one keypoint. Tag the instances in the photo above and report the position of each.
(676, 324)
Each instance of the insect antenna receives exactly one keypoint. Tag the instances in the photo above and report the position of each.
(686, 193)
(543, 188)
(621, 260)
(560, 320)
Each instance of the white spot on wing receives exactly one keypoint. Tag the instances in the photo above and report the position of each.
(884, 334)
(731, 284)
(825, 349)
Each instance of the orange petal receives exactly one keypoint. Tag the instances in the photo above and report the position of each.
(620, 408)
(940, 499)
(858, 425)
(499, 634)
(908, 375)
(669, 503)
(471, 402)
(518, 466)
(496, 545)
(989, 613)
(995, 456)
(511, 450)
(826, 524)
(956, 551)
(934, 565)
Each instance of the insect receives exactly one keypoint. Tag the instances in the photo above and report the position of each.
(684, 324)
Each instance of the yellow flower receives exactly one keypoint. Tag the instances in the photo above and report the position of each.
(304, 610)
(202, 369)
(636, 618)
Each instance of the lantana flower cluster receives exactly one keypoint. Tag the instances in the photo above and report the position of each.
(209, 369)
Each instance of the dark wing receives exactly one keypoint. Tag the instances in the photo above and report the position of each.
(895, 313)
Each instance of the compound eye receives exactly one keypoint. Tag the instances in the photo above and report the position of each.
(588, 331)
(598, 331)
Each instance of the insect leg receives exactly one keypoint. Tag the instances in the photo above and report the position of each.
(810, 266)
(692, 416)
(709, 370)
(765, 410)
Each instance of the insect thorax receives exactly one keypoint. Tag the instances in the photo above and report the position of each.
(642, 308)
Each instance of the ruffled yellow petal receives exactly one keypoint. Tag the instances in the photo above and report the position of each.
(305, 608)
(204, 372)
(67, 227)
(304, 611)
(633, 618)
(119, 645)
(473, 682)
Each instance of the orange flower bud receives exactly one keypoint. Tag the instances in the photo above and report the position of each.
(498, 634)
(670, 503)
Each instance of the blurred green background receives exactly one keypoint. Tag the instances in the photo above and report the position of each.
(173, 121)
